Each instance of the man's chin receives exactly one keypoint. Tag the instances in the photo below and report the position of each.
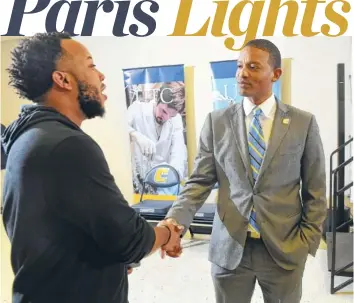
(244, 93)
(93, 110)
(96, 115)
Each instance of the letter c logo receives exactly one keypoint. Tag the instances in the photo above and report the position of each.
(161, 175)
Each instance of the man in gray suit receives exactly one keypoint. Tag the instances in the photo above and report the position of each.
(268, 160)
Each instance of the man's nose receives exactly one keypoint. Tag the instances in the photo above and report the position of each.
(102, 76)
(243, 73)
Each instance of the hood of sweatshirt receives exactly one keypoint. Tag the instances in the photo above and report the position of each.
(29, 116)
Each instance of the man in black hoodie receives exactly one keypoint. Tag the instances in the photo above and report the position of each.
(72, 232)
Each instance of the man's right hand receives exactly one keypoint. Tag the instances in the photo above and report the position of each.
(176, 250)
(174, 243)
(147, 146)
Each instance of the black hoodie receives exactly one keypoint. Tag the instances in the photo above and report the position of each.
(71, 230)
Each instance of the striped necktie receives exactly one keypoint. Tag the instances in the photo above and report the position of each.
(257, 148)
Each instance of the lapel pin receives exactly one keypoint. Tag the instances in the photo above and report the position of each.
(286, 121)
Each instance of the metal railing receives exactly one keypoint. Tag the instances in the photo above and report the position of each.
(338, 214)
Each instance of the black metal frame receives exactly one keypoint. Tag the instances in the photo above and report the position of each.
(341, 123)
(203, 227)
(337, 208)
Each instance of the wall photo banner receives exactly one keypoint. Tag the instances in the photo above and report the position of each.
(224, 86)
(156, 109)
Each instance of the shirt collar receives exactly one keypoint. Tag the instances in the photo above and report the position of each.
(266, 107)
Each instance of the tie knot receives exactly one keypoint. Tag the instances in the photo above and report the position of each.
(257, 112)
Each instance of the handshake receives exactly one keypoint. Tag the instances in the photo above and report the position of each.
(173, 246)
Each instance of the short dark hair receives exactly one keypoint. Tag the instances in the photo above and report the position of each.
(270, 48)
(33, 62)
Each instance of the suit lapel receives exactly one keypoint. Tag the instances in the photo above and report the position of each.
(280, 127)
(237, 122)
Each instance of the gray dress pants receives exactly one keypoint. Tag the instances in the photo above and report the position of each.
(237, 286)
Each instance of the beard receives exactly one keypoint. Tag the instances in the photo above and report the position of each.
(159, 121)
(89, 101)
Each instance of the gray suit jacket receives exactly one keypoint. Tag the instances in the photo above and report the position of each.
(289, 195)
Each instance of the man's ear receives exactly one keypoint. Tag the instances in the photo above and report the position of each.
(62, 80)
(277, 74)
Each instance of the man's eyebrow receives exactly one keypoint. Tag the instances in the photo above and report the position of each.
(255, 62)
(251, 62)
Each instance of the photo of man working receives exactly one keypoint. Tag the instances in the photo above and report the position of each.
(156, 133)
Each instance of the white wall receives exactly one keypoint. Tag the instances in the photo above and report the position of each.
(314, 76)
